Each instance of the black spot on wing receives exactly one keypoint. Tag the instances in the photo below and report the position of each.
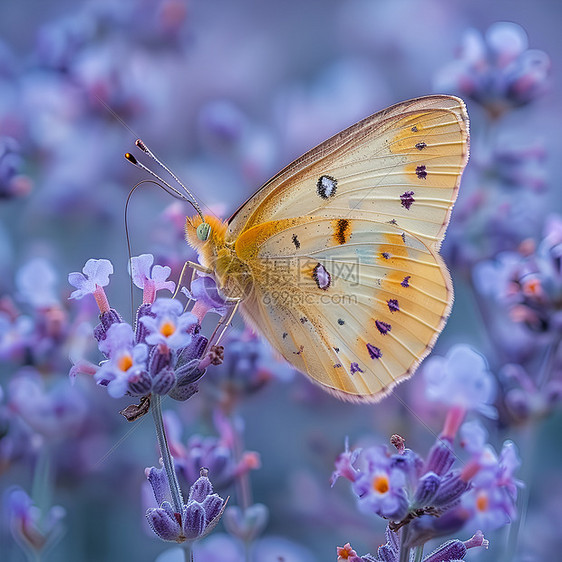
(326, 186)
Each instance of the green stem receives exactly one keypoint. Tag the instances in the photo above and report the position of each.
(545, 369)
(527, 450)
(247, 551)
(41, 489)
(404, 550)
(418, 553)
(527, 446)
(175, 491)
(243, 488)
(33, 556)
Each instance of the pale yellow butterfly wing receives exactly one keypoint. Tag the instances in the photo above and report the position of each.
(377, 196)
(356, 317)
(418, 146)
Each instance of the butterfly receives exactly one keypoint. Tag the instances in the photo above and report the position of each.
(336, 261)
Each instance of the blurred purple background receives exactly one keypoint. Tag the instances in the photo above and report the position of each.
(227, 93)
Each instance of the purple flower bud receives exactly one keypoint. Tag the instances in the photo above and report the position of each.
(158, 360)
(200, 489)
(518, 403)
(183, 392)
(158, 480)
(440, 458)
(192, 351)
(427, 527)
(12, 183)
(344, 465)
(163, 381)
(212, 453)
(189, 372)
(410, 463)
(164, 522)
(141, 385)
(447, 552)
(392, 539)
(248, 524)
(386, 554)
(212, 506)
(477, 540)
(141, 331)
(193, 518)
(34, 529)
(427, 487)
(450, 490)
(107, 319)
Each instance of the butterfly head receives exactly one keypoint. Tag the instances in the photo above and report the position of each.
(206, 235)
(203, 231)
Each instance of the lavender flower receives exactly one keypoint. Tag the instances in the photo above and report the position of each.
(55, 411)
(497, 70)
(451, 551)
(34, 531)
(12, 182)
(345, 552)
(162, 355)
(491, 499)
(208, 299)
(95, 275)
(460, 379)
(169, 325)
(246, 524)
(424, 500)
(36, 283)
(125, 370)
(380, 487)
(15, 336)
(199, 515)
(150, 278)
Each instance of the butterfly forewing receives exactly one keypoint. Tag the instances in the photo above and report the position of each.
(342, 247)
(402, 164)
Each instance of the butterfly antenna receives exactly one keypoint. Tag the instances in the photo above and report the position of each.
(204, 229)
(163, 183)
(149, 152)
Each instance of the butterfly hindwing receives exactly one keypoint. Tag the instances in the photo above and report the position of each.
(354, 303)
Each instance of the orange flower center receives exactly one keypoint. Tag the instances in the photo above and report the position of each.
(167, 329)
(532, 287)
(380, 484)
(125, 362)
(482, 502)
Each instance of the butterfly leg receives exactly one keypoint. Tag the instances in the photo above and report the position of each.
(194, 267)
(223, 323)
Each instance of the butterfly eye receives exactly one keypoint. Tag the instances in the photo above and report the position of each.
(203, 231)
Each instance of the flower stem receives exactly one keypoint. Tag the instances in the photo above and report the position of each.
(41, 489)
(243, 488)
(404, 550)
(167, 459)
(188, 552)
(418, 553)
